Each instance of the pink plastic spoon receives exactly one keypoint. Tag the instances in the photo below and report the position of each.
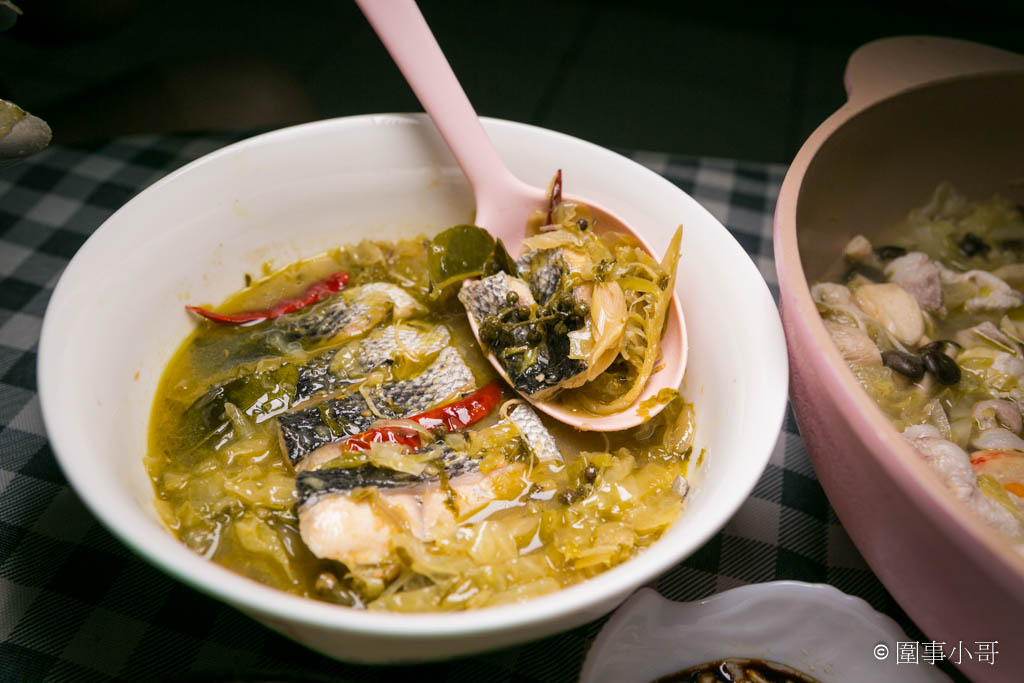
(503, 202)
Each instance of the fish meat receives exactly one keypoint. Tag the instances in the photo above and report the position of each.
(304, 432)
(342, 316)
(263, 394)
(311, 483)
(537, 437)
(352, 312)
(340, 520)
(333, 371)
(489, 295)
(550, 366)
(545, 269)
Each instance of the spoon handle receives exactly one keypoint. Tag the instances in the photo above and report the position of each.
(401, 27)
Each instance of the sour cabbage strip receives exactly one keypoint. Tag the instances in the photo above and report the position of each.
(649, 287)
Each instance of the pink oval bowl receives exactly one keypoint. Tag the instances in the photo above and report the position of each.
(920, 111)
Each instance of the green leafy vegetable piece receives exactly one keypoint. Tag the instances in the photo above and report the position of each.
(458, 253)
(259, 395)
(502, 261)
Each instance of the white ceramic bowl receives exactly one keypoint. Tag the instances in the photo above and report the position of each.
(117, 316)
(813, 628)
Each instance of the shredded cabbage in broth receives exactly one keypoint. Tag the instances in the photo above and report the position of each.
(238, 404)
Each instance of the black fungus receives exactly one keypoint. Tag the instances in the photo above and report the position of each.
(939, 345)
(1016, 245)
(907, 364)
(972, 245)
(873, 274)
(944, 368)
(889, 252)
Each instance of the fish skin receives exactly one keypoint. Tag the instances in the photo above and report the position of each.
(552, 366)
(312, 484)
(288, 386)
(316, 483)
(379, 347)
(354, 531)
(304, 431)
(537, 437)
(487, 296)
(353, 311)
(546, 268)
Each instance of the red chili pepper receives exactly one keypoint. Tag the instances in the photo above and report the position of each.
(453, 416)
(315, 292)
(556, 196)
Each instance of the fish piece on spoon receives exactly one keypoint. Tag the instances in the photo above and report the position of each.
(504, 203)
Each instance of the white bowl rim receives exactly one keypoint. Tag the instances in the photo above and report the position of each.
(275, 605)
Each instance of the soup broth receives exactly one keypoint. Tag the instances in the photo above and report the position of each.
(359, 449)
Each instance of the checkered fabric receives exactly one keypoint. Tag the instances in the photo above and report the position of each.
(76, 605)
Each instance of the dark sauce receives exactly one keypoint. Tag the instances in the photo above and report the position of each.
(738, 671)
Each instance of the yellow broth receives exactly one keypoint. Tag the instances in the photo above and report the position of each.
(227, 490)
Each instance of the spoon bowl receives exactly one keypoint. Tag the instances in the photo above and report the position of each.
(503, 202)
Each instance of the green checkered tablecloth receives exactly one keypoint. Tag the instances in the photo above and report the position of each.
(76, 605)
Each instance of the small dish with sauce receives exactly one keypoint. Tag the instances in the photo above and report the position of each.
(814, 630)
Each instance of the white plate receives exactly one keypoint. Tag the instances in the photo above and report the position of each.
(813, 628)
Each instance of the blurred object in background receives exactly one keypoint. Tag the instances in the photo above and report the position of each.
(174, 92)
(8, 14)
(66, 21)
(733, 78)
(209, 94)
(21, 134)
